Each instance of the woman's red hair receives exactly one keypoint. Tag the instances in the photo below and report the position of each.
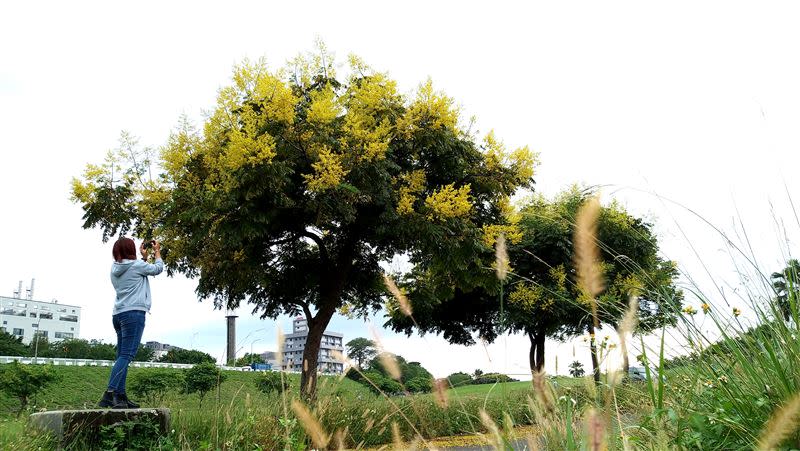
(124, 249)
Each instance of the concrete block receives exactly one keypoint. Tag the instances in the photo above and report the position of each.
(68, 425)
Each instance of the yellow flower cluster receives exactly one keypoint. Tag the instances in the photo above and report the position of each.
(366, 101)
(522, 160)
(689, 310)
(414, 184)
(530, 297)
(324, 107)
(511, 229)
(328, 171)
(448, 202)
(706, 308)
(430, 108)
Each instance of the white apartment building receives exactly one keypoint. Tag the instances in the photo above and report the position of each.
(295, 344)
(24, 317)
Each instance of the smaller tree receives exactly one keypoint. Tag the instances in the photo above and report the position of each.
(787, 288)
(576, 369)
(249, 358)
(11, 345)
(189, 356)
(24, 381)
(272, 381)
(144, 354)
(153, 384)
(361, 350)
(39, 346)
(203, 378)
(477, 373)
(459, 379)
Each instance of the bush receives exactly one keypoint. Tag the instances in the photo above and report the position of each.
(24, 381)
(459, 379)
(272, 381)
(420, 385)
(492, 378)
(202, 378)
(152, 384)
(189, 356)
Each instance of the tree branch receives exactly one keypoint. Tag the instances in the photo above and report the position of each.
(323, 251)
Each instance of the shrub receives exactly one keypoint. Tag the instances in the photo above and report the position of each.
(272, 381)
(189, 356)
(152, 384)
(420, 385)
(25, 381)
(459, 379)
(202, 378)
(492, 378)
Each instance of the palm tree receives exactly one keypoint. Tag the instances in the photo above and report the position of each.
(787, 287)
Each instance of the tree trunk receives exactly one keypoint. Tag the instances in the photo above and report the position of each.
(532, 354)
(593, 349)
(308, 375)
(540, 352)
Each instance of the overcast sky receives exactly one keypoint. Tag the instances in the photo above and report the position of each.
(697, 102)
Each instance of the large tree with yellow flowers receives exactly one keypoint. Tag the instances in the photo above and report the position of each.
(300, 183)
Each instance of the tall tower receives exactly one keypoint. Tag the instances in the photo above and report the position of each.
(230, 355)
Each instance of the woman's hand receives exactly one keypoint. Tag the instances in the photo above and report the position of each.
(157, 249)
(143, 251)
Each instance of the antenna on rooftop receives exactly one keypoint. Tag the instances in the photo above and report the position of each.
(18, 293)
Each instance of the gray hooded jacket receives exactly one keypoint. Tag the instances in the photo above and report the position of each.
(129, 278)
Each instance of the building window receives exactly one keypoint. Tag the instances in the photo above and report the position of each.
(3, 329)
(22, 304)
(42, 333)
(73, 310)
(72, 328)
(5, 322)
(71, 318)
(62, 310)
(19, 331)
(63, 335)
(46, 316)
(34, 325)
(33, 315)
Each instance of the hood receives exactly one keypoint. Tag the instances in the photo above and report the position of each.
(119, 268)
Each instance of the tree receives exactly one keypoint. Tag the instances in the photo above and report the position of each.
(190, 356)
(24, 381)
(576, 369)
(459, 379)
(249, 358)
(302, 183)
(39, 345)
(477, 373)
(787, 288)
(203, 378)
(361, 350)
(11, 345)
(153, 384)
(272, 381)
(543, 298)
(144, 354)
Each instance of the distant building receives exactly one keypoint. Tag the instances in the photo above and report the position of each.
(271, 358)
(25, 317)
(295, 344)
(159, 349)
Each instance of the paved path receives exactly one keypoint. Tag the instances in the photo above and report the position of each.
(519, 445)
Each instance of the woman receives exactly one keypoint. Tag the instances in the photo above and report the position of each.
(129, 277)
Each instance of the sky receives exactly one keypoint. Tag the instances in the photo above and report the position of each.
(686, 112)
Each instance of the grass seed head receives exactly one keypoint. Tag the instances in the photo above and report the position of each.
(501, 257)
(781, 425)
(587, 254)
(595, 431)
(440, 392)
(402, 300)
(310, 424)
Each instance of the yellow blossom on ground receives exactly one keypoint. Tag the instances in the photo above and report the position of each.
(689, 310)
(706, 308)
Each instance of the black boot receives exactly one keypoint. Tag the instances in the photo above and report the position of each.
(131, 404)
(107, 401)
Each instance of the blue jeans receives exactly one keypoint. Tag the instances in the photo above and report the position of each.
(129, 326)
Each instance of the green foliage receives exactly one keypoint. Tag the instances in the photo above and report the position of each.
(77, 348)
(576, 369)
(272, 381)
(11, 345)
(361, 350)
(299, 185)
(493, 378)
(189, 356)
(248, 358)
(786, 284)
(134, 435)
(153, 384)
(202, 378)
(144, 354)
(24, 381)
(459, 379)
